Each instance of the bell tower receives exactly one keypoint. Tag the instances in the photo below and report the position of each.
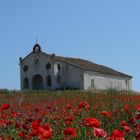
(36, 48)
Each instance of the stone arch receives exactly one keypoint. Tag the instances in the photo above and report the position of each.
(36, 48)
(37, 82)
(49, 81)
(26, 83)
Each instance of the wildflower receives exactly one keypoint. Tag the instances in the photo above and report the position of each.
(116, 112)
(99, 132)
(137, 135)
(70, 131)
(47, 127)
(49, 107)
(17, 125)
(10, 122)
(106, 114)
(69, 107)
(117, 135)
(132, 121)
(47, 134)
(5, 106)
(126, 107)
(137, 115)
(123, 123)
(35, 124)
(44, 132)
(24, 126)
(127, 129)
(33, 133)
(84, 104)
(137, 107)
(40, 131)
(92, 122)
(22, 135)
(68, 120)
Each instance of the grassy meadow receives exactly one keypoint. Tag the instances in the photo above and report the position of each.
(66, 115)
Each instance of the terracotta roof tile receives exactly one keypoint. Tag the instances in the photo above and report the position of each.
(88, 65)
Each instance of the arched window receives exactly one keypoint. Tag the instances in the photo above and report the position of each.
(58, 67)
(48, 66)
(49, 81)
(58, 79)
(26, 83)
(25, 68)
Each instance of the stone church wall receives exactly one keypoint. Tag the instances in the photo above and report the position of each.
(94, 80)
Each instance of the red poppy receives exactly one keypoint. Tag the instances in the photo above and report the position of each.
(22, 135)
(35, 124)
(47, 134)
(116, 112)
(137, 135)
(40, 131)
(70, 131)
(33, 133)
(47, 127)
(69, 118)
(123, 123)
(5, 106)
(84, 104)
(24, 126)
(137, 115)
(118, 133)
(18, 125)
(106, 114)
(127, 129)
(69, 107)
(137, 107)
(112, 137)
(126, 107)
(93, 122)
(99, 132)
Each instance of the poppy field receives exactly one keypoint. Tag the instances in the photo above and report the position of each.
(67, 115)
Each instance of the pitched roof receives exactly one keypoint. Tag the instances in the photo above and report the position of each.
(88, 65)
(84, 64)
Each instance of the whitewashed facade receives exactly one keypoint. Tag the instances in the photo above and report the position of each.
(41, 71)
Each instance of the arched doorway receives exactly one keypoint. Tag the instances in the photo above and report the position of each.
(37, 82)
(49, 81)
(26, 83)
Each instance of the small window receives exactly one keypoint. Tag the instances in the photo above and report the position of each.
(25, 68)
(58, 66)
(36, 60)
(48, 66)
(58, 79)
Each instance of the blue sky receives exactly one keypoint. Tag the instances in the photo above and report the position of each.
(103, 31)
